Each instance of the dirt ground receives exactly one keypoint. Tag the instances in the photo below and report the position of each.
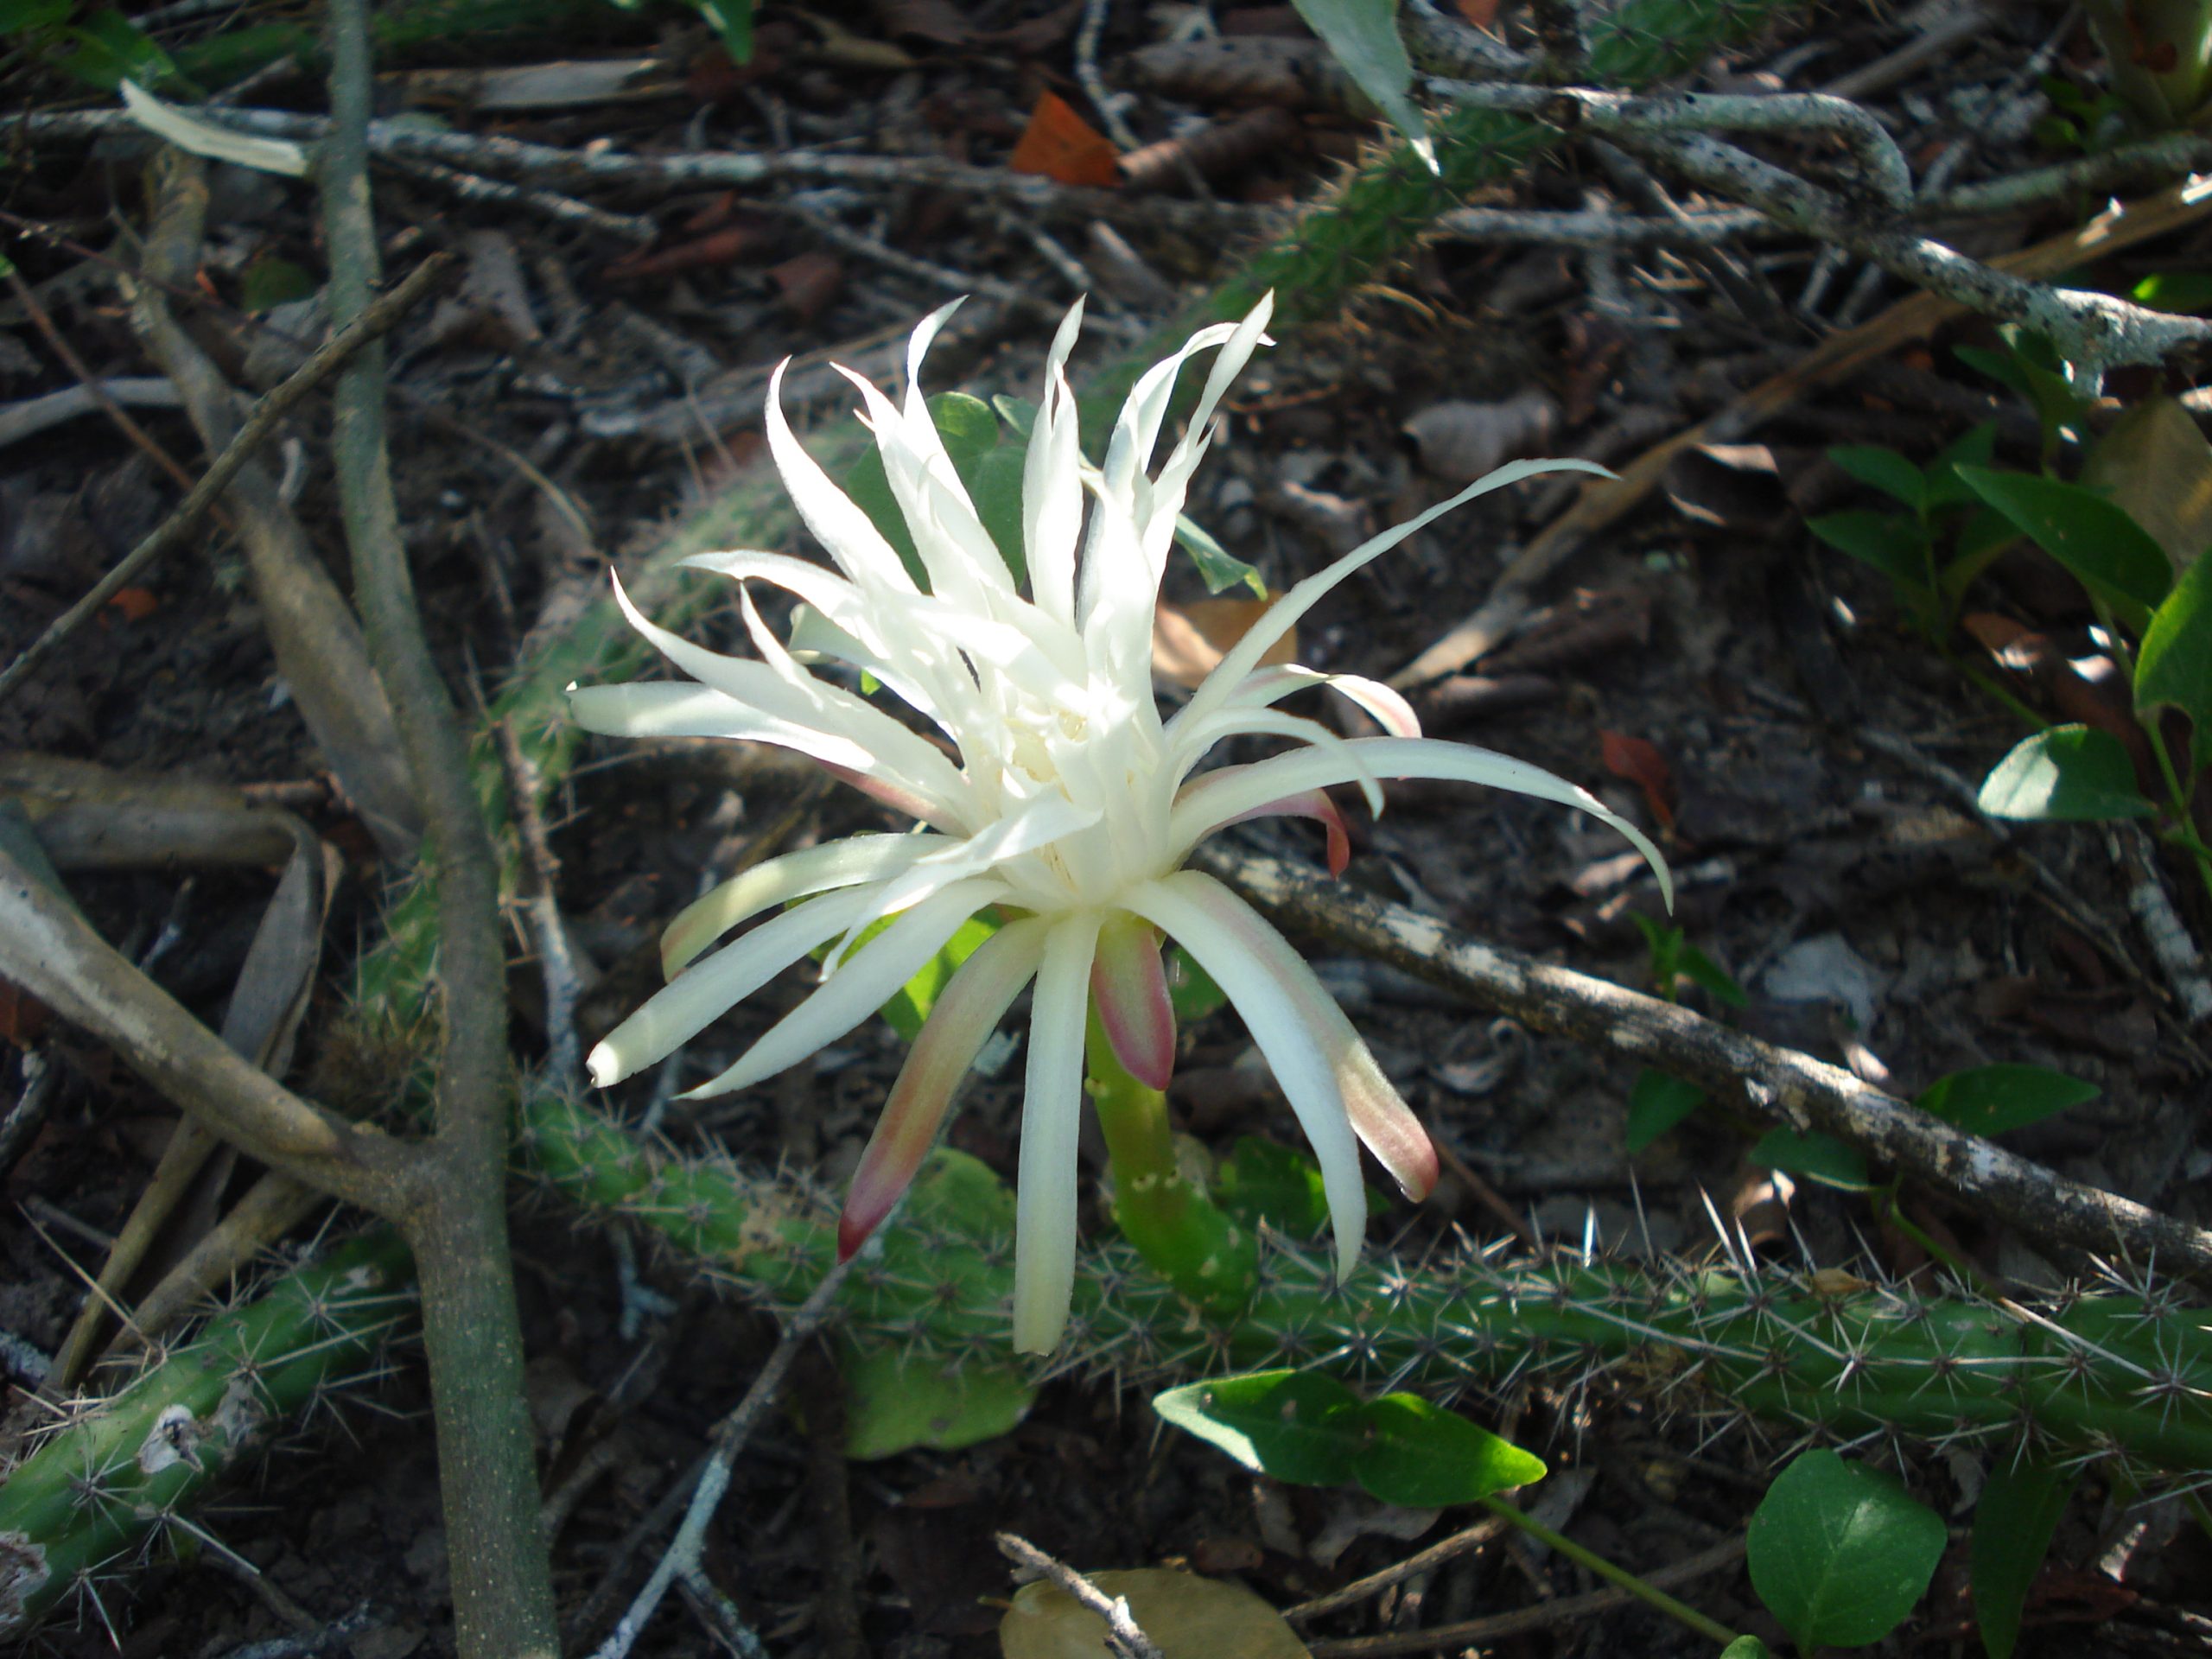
(1813, 756)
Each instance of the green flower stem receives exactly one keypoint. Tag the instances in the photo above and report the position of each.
(1649, 1594)
(1171, 1222)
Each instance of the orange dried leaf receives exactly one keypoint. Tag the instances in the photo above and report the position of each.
(136, 604)
(1064, 147)
(1638, 762)
(1188, 640)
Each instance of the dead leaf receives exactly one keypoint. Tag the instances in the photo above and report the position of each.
(1064, 147)
(2156, 463)
(1189, 640)
(1459, 441)
(808, 281)
(1639, 762)
(1189, 1616)
(135, 604)
(22, 1016)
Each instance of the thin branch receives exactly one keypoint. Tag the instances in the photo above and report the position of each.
(332, 355)
(1124, 1636)
(1791, 1089)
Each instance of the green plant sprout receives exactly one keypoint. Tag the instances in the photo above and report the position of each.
(1658, 1101)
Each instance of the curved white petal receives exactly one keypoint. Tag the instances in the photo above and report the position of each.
(964, 562)
(706, 991)
(842, 723)
(1244, 656)
(843, 530)
(1045, 1194)
(1264, 687)
(1237, 721)
(1052, 483)
(1227, 938)
(1215, 798)
(794, 875)
(864, 984)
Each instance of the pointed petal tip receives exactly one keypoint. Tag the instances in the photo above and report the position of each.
(852, 1233)
(604, 1070)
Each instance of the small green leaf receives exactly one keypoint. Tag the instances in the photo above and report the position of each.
(1816, 1156)
(733, 22)
(1421, 1457)
(911, 1005)
(2174, 665)
(965, 426)
(2013, 1523)
(1893, 542)
(1981, 538)
(20, 17)
(2115, 558)
(1839, 1553)
(1190, 990)
(269, 281)
(1363, 36)
(870, 487)
(1747, 1647)
(2187, 292)
(1301, 1426)
(1218, 567)
(110, 47)
(1884, 469)
(2069, 774)
(1261, 1181)
(1020, 414)
(895, 1401)
(1656, 1104)
(1991, 1099)
(1975, 446)
(1717, 983)
(995, 485)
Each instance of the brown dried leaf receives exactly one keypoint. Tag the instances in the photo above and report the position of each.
(1459, 441)
(1189, 640)
(2156, 463)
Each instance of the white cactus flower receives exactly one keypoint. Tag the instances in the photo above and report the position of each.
(1070, 806)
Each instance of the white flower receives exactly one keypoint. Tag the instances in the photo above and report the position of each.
(1071, 804)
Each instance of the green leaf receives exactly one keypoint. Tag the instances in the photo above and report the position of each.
(870, 487)
(1363, 36)
(733, 22)
(2115, 558)
(1816, 1156)
(2013, 1523)
(110, 47)
(269, 281)
(1975, 446)
(1717, 983)
(1893, 542)
(1020, 414)
(1839, 1553)
(1190, 990)
(1981, 538)
(1747, 1647)
(896, 1402)
(1656, 1104)
(1301, 1427)
(1419, 1456)
(2174, 665)
(2069, 774)
(965, 426)
(1884, 469)
(1261, 1181)
(2034, 369)
(1991, 1099)
(995, 485)
(1218, 567)
(20, 17)
(2187, 292)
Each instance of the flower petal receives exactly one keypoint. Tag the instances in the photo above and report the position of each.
(845, 532)
(794, 875)
(1267, 686)
(1046, 1190)
(1227, 938)
(1310, 804)
(706, 991)
(967, 1010)
(1129, 987)
(1228, 723)
(860, 988)
(1244, 656)
(1052, 483)
(1219, 798)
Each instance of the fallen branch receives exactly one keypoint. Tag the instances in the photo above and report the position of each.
(1781, 1084)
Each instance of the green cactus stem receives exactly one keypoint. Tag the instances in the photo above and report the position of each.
(2125, 1377)
(114, 1471)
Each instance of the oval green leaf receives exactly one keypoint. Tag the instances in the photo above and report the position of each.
(1892, 543)
(1421, 1457)
(1884, 469)
(1301, 1427)
(2174, 666)
(1816, 1157)
(2115, 557)
(2013, 1523)
(1839, 1553)
(2069, 774)
(1656, 1104)
(1991, 1099)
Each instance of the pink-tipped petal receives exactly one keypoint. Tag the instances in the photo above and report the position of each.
(898, 800)
(1316, 804)
(1129, 986)
(968, 1010)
